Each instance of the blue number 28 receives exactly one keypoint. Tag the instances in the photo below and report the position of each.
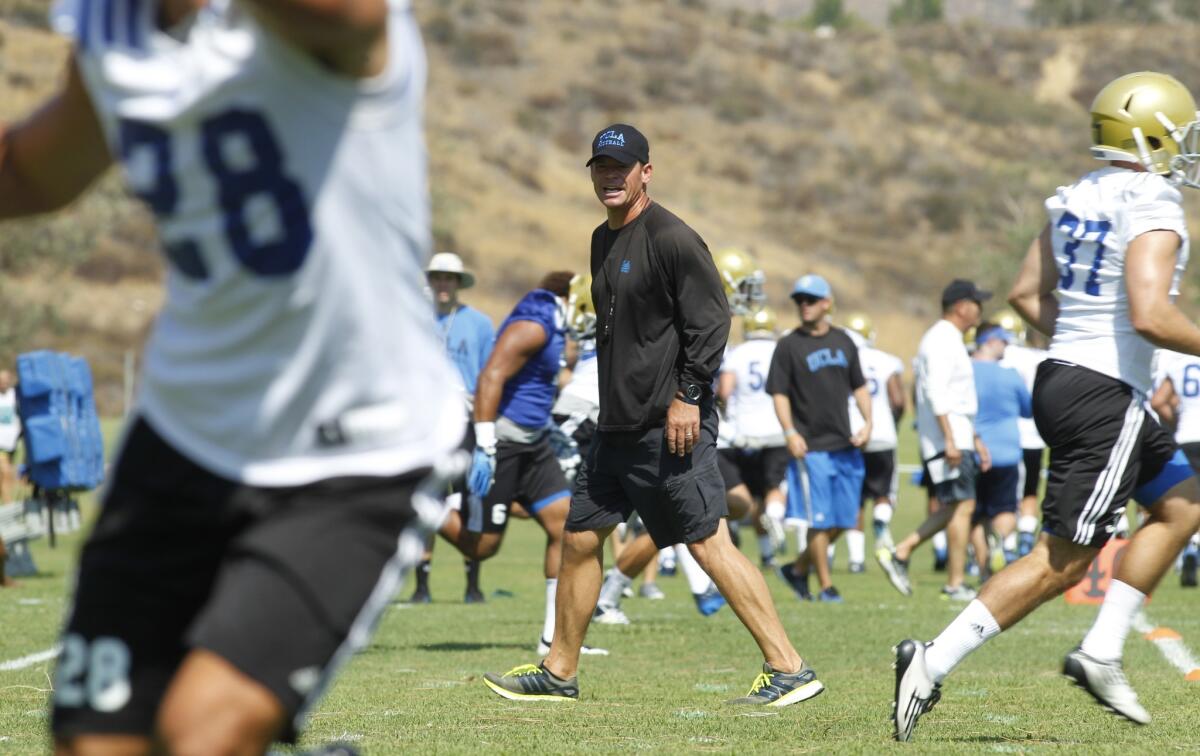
(236, 185)
(1092, 231)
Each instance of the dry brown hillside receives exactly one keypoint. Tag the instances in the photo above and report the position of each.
(889, 161)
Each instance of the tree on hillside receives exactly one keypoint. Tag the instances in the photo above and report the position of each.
(915, 12)
(1072, 12)
(828, 13)
(1188, 9)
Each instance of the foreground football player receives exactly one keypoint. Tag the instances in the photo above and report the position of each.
(1113, 252)
(294, 394)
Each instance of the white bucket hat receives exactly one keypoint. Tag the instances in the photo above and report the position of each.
(448, 262)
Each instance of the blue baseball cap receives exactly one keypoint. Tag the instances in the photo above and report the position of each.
(995, 332)
(812, 285)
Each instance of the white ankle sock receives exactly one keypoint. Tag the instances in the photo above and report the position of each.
(764, 546)
(698, 580)
(1027, 524)
(970, 629)
(614, 584)
(883, 513)
(548, 622)
(1106, 640)
(856, 544)
(939, 541)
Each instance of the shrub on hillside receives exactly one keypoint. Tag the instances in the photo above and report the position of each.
(1073, 12)
(908, 12)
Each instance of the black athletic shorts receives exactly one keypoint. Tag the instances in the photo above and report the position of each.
(1105, 448)
(880, 477)
(1031, 471)
(996, 492)
(283, 583)
(528, 474)
(680, 499)
(759, 469)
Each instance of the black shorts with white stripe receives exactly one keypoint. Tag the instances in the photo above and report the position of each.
(1105, 448)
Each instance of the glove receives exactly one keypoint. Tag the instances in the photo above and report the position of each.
(483, 469)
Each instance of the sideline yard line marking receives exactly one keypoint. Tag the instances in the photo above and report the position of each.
(30, 660)
(1170, 645)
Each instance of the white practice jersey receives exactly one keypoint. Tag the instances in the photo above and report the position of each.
(582, 392)
(756, 424)
(1183, 370)
(727, 417)
(1092, 222)
(1025, 361)
(296, 342)
(10, 422)
(877, 367)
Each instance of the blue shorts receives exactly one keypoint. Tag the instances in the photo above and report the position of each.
(834, 489)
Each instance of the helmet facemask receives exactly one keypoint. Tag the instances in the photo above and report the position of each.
(1185, 167)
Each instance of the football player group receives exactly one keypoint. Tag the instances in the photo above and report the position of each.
(298, 425)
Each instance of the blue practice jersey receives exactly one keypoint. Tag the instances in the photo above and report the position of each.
(1002, 399)
(467, 333)
(529, 395)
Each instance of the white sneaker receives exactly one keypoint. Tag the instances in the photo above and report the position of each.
(775, 533)
(544, 648)
(651, 591)
(916, 693)
(1106, 682)
(627, 592)
(961, 593)
(610, 615)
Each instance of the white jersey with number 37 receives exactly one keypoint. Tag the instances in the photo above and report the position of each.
(1092, 223)
(296, 342)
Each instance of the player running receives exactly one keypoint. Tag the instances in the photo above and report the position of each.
(294, 395)
(884, 375)
(513, 460)
(1101, 277)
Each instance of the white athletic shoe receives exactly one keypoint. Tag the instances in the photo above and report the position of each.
(544, 648)
(775, 533)
(610, 615)
(651, 591)
(916, 692)
(961, 593)
(1106, 682)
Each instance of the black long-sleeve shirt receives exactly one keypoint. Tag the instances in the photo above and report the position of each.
(662, 317)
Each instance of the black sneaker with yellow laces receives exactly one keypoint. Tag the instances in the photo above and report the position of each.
(532, 682)
(774, 688)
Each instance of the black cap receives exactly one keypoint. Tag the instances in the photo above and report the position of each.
(621, 142)
(960, 289)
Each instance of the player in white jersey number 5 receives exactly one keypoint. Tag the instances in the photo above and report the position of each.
(293, 394)
(1101, 278)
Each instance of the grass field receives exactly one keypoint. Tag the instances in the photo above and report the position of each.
(418, 688)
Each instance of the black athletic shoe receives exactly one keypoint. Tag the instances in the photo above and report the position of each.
(330, 749)
(773, 688)
(916, 692)
(532, 682)
(798, 583)
(474, 596)
(1187, 576)
(420, 596)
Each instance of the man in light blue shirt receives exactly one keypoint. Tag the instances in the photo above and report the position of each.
(468, 336)
(1002, 399)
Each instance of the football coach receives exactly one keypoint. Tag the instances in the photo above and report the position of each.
(662, 324)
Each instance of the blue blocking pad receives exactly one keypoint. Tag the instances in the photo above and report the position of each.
(63, 445)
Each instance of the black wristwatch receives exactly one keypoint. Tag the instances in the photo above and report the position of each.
(690, 393)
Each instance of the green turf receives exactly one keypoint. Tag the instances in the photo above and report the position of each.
(418, 687)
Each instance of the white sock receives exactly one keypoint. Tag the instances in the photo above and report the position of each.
(1010, 542)
(1027, 524)
(969, 630)
(1106, 640)
(776, 509)
(764, 546)
(548, 623)
(698, 580)
(882, 513)
(939, 542)
(830, 553)
(856, 544)
(666, 558)
(614, 584)
(801, 529)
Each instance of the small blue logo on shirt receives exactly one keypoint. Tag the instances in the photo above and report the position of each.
(625, 266)
(823, 358)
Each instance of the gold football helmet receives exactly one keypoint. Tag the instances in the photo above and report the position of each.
(742, 278)
(860, 323)
(759, 320)
(1011, 322)
(581, 314)
(1148, 118)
